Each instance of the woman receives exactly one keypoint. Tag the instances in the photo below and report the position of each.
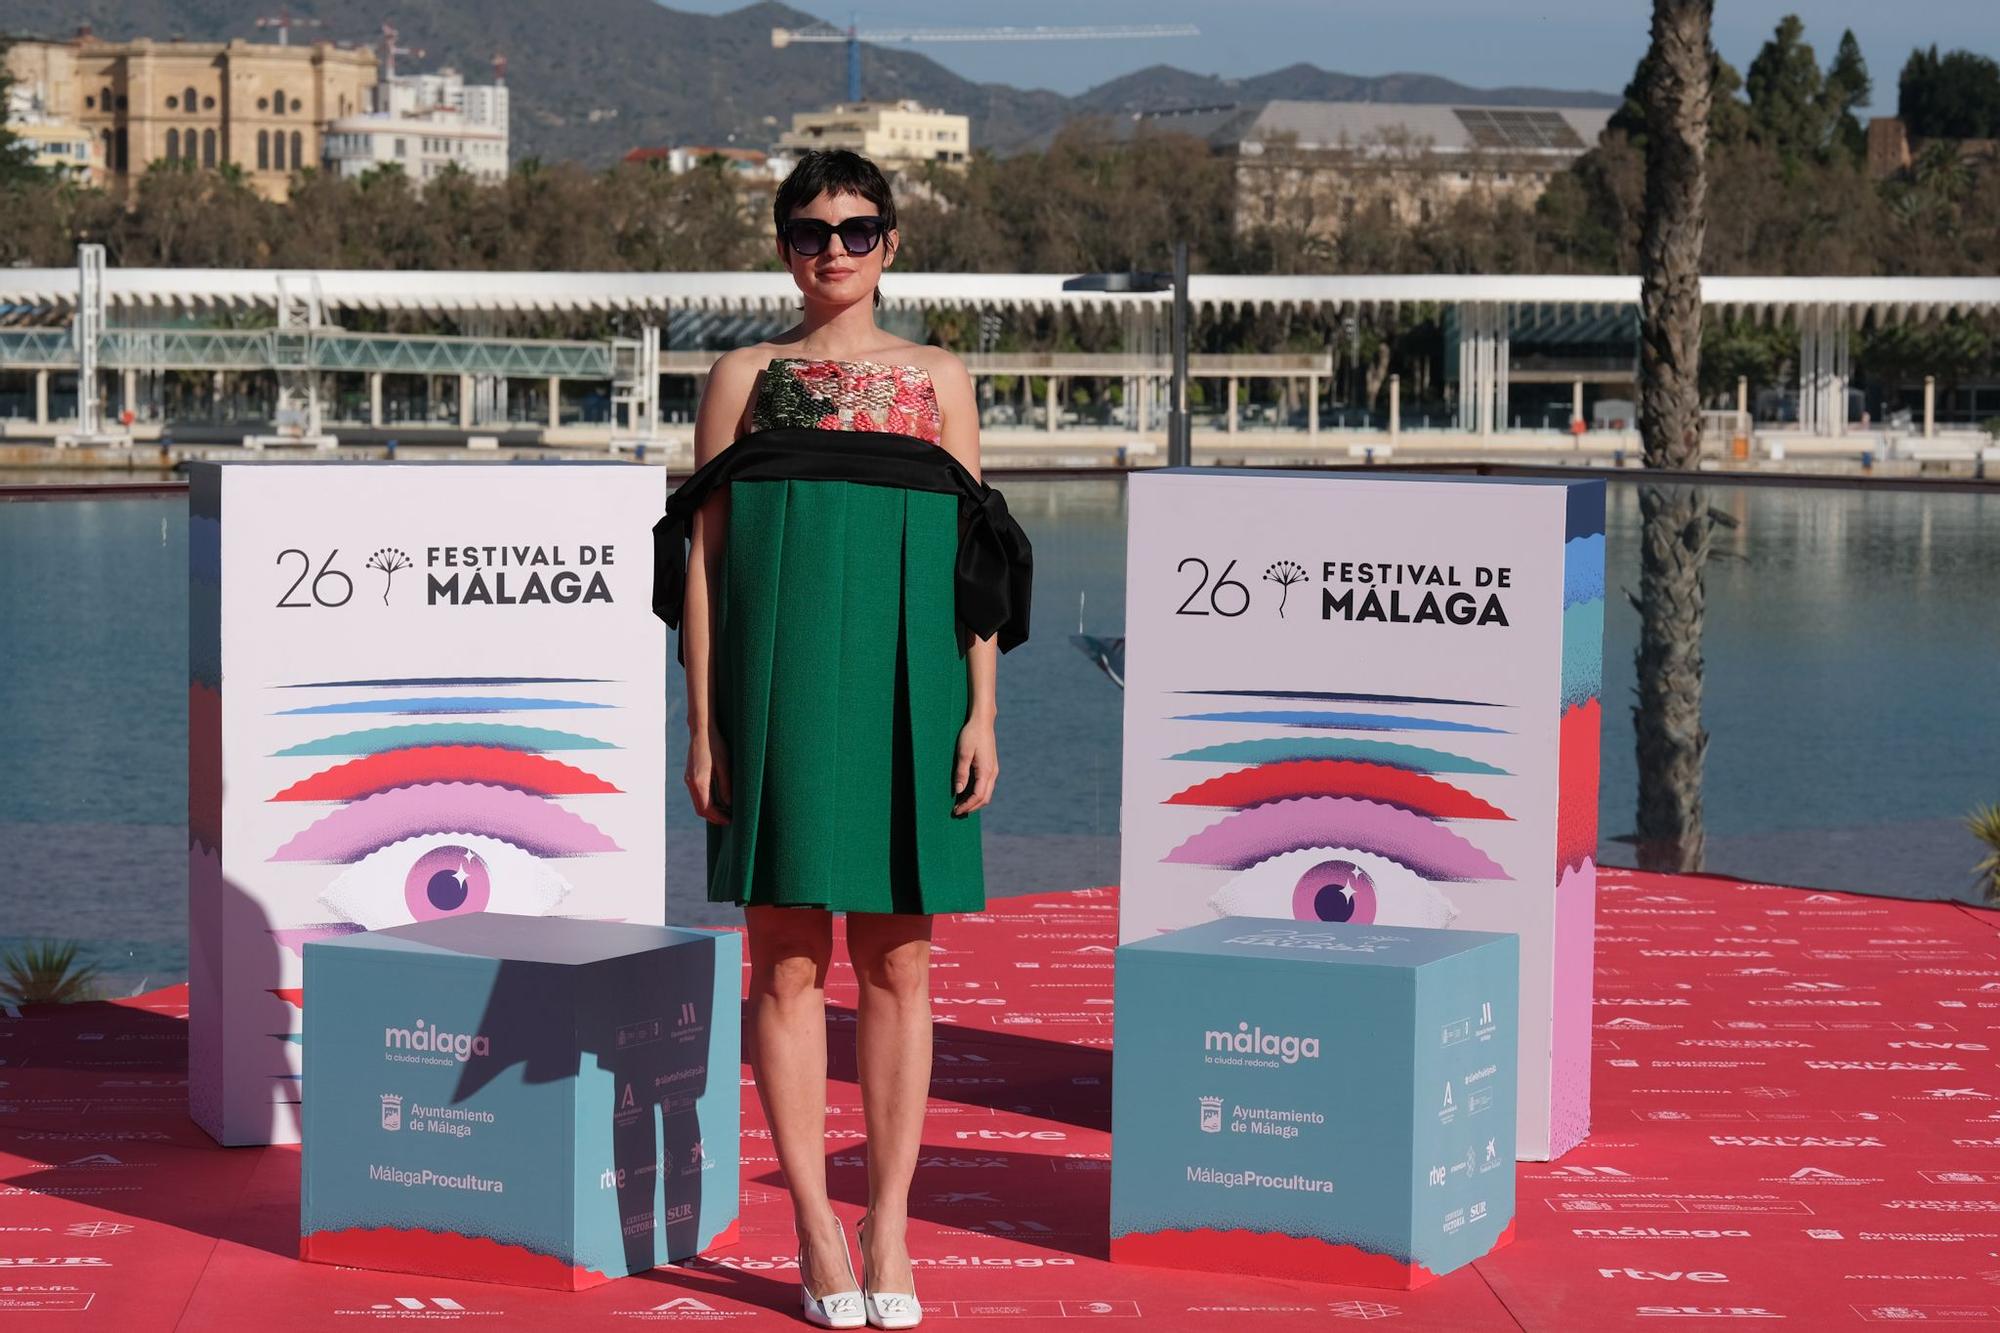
(845, 598)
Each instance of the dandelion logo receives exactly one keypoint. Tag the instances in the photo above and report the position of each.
(1284, 573)
(388, 560)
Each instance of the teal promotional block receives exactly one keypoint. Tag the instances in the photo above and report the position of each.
(1315, 1100)
(540, 1101)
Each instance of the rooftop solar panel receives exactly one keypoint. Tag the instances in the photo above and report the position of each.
(1503, 127)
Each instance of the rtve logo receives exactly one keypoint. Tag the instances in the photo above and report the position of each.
(1671, 1275)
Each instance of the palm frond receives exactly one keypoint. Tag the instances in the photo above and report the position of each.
(1984, 823)
(47, 972)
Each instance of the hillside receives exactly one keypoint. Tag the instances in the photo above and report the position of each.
(592, 78)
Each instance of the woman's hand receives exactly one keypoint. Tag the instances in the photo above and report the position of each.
(708, 775)
(977, 765)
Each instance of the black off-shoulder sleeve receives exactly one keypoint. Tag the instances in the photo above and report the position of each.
(993, 574)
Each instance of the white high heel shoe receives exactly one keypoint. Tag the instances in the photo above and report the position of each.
(836, 1309)
(890, 1309)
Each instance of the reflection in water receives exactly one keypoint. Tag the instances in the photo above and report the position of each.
(1851, 668)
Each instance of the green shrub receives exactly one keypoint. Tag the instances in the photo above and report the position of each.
(1984, 822)
(47, 972)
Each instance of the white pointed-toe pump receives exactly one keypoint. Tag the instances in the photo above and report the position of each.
(836, 1309)
(889, 1309)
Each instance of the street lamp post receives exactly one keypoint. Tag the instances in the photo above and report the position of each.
(1180, 439)
(1180, 434)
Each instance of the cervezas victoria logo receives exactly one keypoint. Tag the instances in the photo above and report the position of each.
(1247, 1040)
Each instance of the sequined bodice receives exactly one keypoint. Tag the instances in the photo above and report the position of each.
(847, 395)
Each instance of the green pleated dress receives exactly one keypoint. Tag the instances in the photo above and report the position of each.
(839, 685)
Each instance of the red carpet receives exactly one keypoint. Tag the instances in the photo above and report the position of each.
(1797, 1118)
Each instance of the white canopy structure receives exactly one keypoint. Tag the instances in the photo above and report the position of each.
(309, 304)
(451, 292)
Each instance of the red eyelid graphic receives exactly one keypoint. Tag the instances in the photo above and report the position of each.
(446, 763)
(1416, 792)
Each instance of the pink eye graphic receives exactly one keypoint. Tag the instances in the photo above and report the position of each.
(1325, 858)
(1334, 890)
(1334, 884)
(447, 880)
(444, 848)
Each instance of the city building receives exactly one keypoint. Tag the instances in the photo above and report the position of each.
(1892, 151)
(37, 110)
(902, 133)
(258, 106)
(425, 123)
(745, 163)
(1315, 165)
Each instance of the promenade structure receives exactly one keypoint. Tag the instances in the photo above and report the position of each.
(261, 107)
(148, 324)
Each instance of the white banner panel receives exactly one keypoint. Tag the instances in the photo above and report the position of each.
(1373, 698)
(415, 690)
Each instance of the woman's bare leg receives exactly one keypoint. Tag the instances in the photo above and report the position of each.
(790, 948)
(892, 957)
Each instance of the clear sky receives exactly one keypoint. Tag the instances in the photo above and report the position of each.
(1585, 44)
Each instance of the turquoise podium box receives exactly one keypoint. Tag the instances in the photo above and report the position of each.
(1314, 1100)
(538, 1101)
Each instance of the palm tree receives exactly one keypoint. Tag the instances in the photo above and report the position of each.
(1671, 743)
(47, 972)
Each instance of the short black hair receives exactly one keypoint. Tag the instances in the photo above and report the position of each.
(836, 171)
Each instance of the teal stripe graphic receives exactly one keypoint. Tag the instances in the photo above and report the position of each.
(1332, 747)
(378, 739)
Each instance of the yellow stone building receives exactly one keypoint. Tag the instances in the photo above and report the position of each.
(261, 106)
(901, 132)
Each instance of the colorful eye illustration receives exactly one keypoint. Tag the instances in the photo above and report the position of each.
(1336, 858)
(1334, 884)
(423, 879)
(443, 848)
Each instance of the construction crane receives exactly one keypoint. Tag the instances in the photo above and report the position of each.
(284, 23)
(854, 37)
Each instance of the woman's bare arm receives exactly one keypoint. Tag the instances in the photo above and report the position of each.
(718, 422)
(978, 760)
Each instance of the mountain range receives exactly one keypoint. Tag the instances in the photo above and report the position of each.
(590, 79)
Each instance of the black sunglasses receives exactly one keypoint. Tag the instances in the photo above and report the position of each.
(808, 236)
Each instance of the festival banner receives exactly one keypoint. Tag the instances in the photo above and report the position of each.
(1373, 698)
(415, 690)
